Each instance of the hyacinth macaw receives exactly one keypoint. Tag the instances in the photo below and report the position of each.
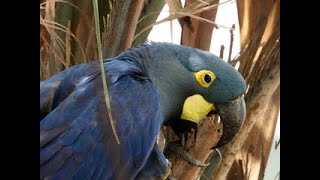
(151, 85)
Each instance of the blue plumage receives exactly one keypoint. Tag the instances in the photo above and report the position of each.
(156, 165)
(76, 139)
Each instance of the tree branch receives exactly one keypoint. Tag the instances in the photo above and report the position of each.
(255, 108)
(231, 42)
(208, 134)
(221, 51)
(196, 33)
(123, 19)
(148, 16)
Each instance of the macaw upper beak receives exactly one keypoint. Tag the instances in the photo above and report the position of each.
(232, 115)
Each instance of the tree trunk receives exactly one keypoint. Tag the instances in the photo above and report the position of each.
(196, 33)
(82, 27)
(123, 20)
(250, 14)
(250, 161)
(256, 106)
(148, 16)
(208, 135)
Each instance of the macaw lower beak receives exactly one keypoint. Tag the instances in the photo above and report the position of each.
(232, 115)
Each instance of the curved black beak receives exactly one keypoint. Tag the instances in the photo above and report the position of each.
(232, 115)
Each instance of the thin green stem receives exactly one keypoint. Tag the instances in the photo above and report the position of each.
(103, 75)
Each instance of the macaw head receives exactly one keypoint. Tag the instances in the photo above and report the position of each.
(193, 83)
(218, 88)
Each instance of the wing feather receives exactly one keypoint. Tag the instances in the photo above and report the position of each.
(76, 140)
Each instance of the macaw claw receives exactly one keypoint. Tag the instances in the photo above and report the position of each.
(174, 148)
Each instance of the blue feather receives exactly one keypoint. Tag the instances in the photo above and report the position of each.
(78, 142)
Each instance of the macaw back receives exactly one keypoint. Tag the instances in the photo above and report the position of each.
(76, 139)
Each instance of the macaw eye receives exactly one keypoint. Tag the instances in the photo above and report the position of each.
(205, 78)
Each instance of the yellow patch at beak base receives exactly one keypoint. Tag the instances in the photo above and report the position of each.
(195, 108)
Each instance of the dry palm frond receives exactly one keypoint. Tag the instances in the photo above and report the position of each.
(51, 26)
(150, 14)
(62, 1)
(174, 5)
(56, 40)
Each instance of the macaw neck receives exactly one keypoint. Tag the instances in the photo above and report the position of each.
(173, 90)
(171, 102)
(170, 78)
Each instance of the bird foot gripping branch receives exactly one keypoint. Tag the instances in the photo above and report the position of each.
(187, 130)
(209, 127)
(175, 148)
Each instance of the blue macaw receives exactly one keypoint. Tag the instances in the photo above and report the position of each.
(151, 85)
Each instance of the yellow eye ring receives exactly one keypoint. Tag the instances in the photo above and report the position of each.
(205, 78)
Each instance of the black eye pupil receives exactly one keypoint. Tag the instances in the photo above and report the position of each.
(207, 78)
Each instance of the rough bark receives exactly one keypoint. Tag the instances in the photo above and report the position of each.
(208, 135)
